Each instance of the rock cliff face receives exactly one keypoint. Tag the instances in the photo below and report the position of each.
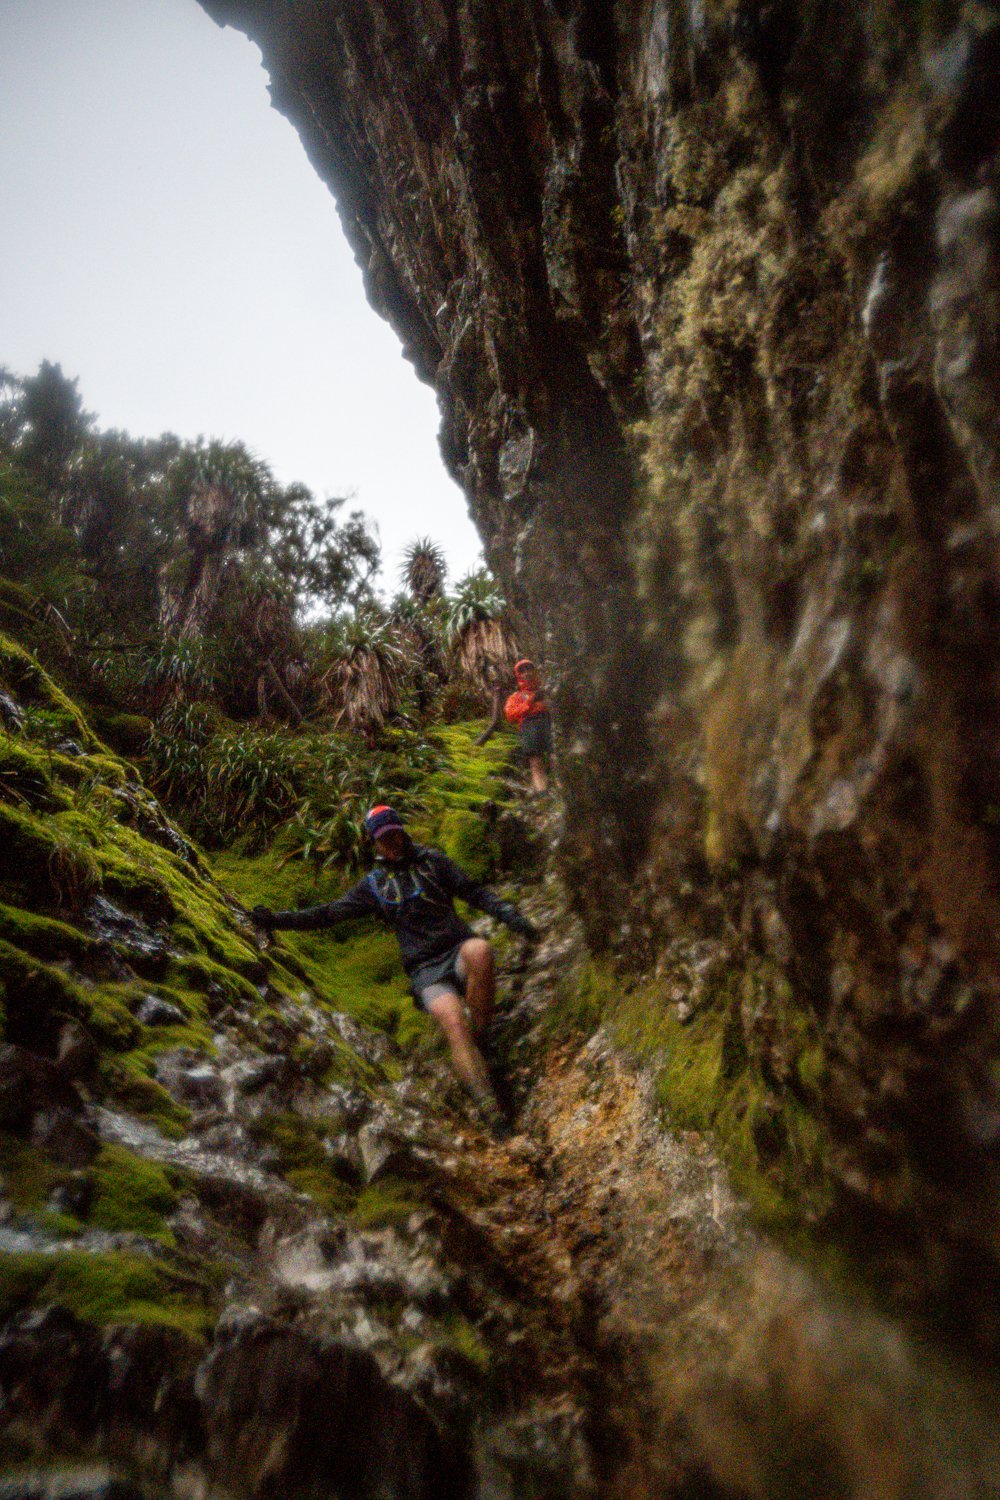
(710, 294)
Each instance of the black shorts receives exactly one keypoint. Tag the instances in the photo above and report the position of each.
(444, 976)
(536, 735)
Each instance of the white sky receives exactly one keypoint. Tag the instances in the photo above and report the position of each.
(165, 239)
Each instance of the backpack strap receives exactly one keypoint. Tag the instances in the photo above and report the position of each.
(373, 886)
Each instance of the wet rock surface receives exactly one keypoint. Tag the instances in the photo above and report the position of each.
(582, 1310)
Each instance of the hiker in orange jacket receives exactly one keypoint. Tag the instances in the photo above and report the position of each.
(528, 711)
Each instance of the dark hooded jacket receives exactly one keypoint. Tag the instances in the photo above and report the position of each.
(415, 897)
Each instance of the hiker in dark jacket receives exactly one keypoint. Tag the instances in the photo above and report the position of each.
(412, 889)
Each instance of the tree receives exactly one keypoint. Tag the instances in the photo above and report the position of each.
(368, 671)
(227, 497)
(481, 640)
(50, 424)
(424, 570)
(321, 560)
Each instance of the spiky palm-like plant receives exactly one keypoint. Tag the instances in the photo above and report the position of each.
(481, 640)
(228, 503)
(424, 570)
(421, 632)
(369, 668)
(480, 635)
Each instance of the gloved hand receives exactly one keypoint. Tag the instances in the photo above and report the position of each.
(524, 928)
(262, 916)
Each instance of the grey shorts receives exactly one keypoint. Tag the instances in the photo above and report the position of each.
(536, 735)
(445, 976)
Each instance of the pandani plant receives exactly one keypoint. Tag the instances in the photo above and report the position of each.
(368, 672)
(481, 641)
(424, 570)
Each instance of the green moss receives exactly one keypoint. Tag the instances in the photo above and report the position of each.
(581, 1000)
(45, 860)
(31, 685)
(38, 996)
(106, 1289)
(322, 1185)
(130, 1193)
(59, 1226)
(459, 1335)
(705, 1081)
(35, 994)
(387, 1201)
(43, 937)
(29, 1176)
(204, 976)
(126, 733)
(107, 1017)
(467, 840)
(304, 1163)
(469, 776)
(26, 776)
(127, 1081)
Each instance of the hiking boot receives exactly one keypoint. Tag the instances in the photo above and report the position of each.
(490, 1115)
(495, 1122)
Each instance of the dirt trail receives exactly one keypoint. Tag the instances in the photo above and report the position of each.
(687, 1356)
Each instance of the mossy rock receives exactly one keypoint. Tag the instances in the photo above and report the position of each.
(110, 1288)
(32, 687)
(44, 937)
(130, 1193)
(387, 1201)
(305, 1165)
(126, 733)
(126, 1079)
(29, 1175)
(466, 838)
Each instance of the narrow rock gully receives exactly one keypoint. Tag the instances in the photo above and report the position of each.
(690, 1357)
(583, 1310)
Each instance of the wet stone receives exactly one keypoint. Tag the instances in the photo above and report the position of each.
(190, 1080)
(11, 714)
(132, 938)
(350, 1104)
(255, 1073)
(189, 1225)
(229, 1138)
(153, 1011)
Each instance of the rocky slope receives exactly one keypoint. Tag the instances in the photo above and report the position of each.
(709, 294)
(239, 1250)
(253, 1244)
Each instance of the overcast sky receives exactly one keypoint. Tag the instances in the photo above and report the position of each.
(165, 239)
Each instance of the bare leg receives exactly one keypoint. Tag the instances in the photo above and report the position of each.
(539, 773)
(480, 982)
(449, 1012)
